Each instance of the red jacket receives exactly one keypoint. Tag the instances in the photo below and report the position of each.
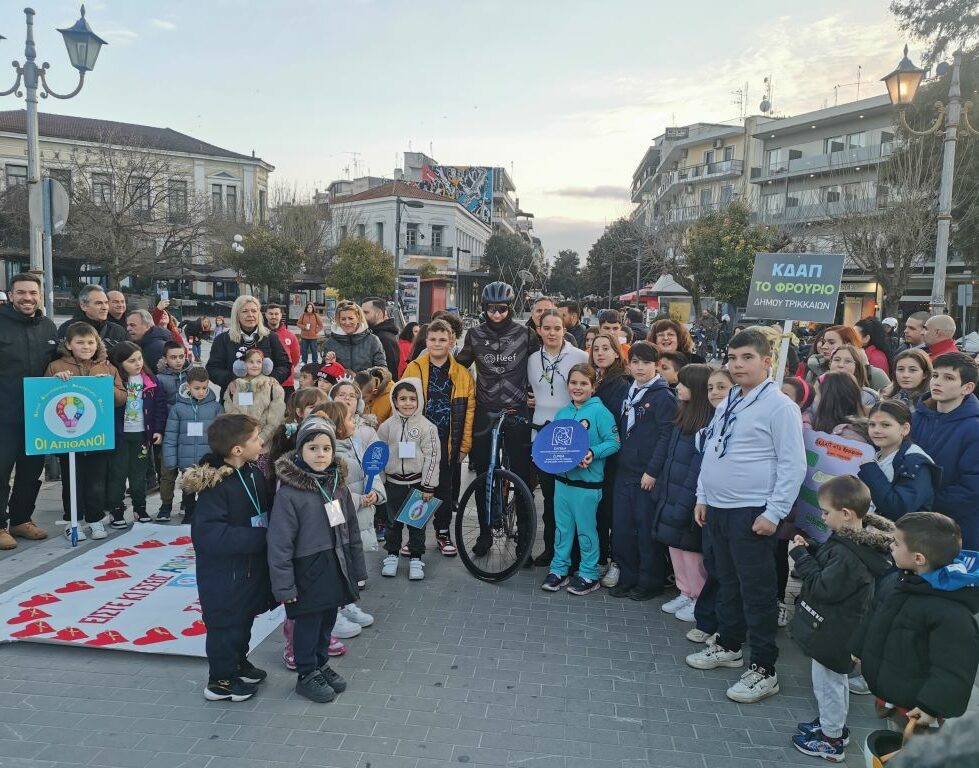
(948, 345)
(291, 345)
(877, 358)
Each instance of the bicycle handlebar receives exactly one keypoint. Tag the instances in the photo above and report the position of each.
(496, 421)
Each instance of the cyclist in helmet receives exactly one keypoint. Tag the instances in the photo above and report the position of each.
(500, 347)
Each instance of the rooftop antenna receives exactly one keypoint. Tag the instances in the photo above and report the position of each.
(741, 99)
(836, 88)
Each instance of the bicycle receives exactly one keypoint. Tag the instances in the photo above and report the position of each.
(490, 506)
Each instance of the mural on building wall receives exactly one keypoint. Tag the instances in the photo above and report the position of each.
(470, 185)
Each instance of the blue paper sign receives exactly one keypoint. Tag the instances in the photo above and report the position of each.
(560, 446)
(374, 461)
(416, 512)
(74, 416)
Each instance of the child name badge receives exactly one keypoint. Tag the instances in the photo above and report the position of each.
(260, 520)
(406, 450)
(195, 429)
(334, 512)
(246, 398)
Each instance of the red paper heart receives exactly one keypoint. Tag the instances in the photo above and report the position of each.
(112, 562)
(46, 599)
(74, 586)
(70, 633)
(110, 637)
(34, 628)
(29, 614)
(115, 573)
(195, 629)
(122, 553)
(155, 635)
(181, 541)
(150, 544)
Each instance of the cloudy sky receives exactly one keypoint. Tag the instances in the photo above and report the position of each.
(566, 93)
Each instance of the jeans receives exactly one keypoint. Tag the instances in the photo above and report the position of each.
(311, 639)
(397, 496)
(309, 349)
(747, 598)
(575, 512)
(227, 648)
(27, 481)
(195, 349)
(833, 697)
(641, 559)
(93, 475)
(129, 462)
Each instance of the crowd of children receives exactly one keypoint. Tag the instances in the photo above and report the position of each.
(692, 474)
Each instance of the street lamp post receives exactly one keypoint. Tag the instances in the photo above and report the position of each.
(237, 247)
(459, 251)
(398, 203)
(902, 85)
(83, 49)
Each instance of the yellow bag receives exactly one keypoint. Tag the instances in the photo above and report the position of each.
(882, 747)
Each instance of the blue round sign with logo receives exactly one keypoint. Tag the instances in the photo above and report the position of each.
(374, 461)
(560, 446)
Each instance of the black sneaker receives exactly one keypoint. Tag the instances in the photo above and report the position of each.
(229, 690)
(553, 582)
(118, 518)
(333, 679)
(645, 593)
(315, 688)
(249, 673)
(580, 586)
(622, 590)
(163, 516)
(142, 516)
(482, 546)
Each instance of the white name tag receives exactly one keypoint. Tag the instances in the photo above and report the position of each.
(246, 398)
(307, 326)
(195, 429)
(406, 450)
(334, 512)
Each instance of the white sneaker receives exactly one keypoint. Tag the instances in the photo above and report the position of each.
(344, 629)
(674, 605)
(785, 612)
(354, 613)
(389, 567)
(416, 569)
(686, 613)
(98, 530)
(753, 686)
(713, 656)
(699, 636)
(81, 533)
(611, 577)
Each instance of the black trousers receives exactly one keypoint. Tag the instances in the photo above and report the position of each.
(547, 491)
(188, 503)
(397, 495)
(90, 487)
(743, 563)
(447, 492)
(227, 648)
(311, 639)
(642, 560)
(605, 515)
(27, 480)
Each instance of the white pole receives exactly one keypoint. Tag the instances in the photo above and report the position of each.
(937, 303)
(74, 499)
(783, 351)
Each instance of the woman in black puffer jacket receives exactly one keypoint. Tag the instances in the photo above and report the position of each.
(226, 362)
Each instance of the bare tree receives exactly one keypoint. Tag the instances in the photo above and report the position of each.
(133, 208)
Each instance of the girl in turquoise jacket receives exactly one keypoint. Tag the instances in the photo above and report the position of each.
(578, 491)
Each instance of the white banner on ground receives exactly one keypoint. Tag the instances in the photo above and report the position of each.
(135, 592)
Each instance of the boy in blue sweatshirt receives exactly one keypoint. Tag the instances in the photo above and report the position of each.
(754, 463)
(645, 425)
(578, 491)
(171, 372)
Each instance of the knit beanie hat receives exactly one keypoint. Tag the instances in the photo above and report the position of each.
(313, 426)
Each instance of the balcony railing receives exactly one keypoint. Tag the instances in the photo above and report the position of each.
(829, 161)
(696, 173)
(439, 251)
(819, 211)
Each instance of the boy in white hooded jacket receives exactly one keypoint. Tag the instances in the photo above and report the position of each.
(413, 464)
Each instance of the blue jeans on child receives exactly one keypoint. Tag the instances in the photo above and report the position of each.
(575, 512)
(309, 349)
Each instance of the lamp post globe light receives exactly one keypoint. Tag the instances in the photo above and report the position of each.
(902, 85)
(83, 50)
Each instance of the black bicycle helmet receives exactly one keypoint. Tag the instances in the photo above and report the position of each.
(498, 293)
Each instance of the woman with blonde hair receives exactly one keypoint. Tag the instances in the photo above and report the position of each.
(351, 342)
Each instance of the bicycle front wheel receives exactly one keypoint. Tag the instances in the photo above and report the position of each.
(494, 544)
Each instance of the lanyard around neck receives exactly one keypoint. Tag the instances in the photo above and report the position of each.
(327, 497)
(252, 498)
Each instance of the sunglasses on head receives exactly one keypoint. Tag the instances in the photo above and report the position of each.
(498, 309)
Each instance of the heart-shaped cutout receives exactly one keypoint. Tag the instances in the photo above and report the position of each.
(74, 586)
(112, 562)
(70, 634)
(29, 614)
(112, 575)
(33, 629)
(124, 552)
(109, 637)
(181, 541)
(155, 635)
(195, 629)
(46, 599)
(150, 544)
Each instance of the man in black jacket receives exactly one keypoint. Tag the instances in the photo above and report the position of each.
(149, 336)
(376, 314)
(29, 341)
(117, 308)
(571, 315)
(93, 308)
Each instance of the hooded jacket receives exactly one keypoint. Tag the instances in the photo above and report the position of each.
(268, 403)
(379, 408)
(675, 494)
(462, 402)
(232, 346)
(154, 409)
(350, 451)
(920, 645)
(181, 449)
(356, 351)
(110, 332)
(170, 380)
(152, 346)
(423, 468)
(952, 441)
(97, 366)
(302, 543)
(644, 447)
(838, 578)
(27, 344)
(232, 565)
(915, 478)
(603, 439)
(387, 332)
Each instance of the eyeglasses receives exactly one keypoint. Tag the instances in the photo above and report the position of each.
(497, 309)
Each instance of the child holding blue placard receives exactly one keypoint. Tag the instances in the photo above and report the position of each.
(578, 491)
(413, 464)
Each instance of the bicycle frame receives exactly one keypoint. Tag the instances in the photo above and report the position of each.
(491, 471)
